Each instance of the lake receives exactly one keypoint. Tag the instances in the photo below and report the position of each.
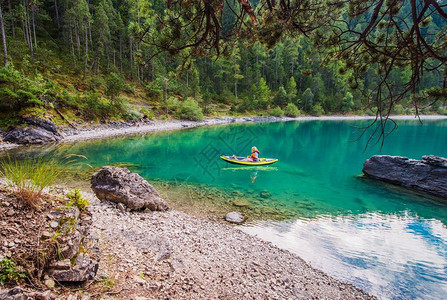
(381, 238)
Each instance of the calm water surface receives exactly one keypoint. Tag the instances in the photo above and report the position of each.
(390, 242)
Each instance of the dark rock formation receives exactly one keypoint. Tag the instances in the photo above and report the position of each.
(42, 123)
(121, 186)
(427, 175)
(41, 132)
(30, 135)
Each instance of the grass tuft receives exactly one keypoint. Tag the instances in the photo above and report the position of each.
(30, 177)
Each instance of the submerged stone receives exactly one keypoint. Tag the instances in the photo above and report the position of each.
(241, 203)
(265, 194)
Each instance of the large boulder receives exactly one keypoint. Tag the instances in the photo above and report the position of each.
(30, 135)
(427, 175)
(41, 131)
(42, 123)
(122, 186)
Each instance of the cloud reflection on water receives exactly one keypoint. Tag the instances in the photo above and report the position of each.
(390, 256)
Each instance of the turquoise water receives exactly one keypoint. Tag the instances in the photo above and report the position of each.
(381, 238)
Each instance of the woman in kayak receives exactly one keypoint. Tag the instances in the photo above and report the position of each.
(254, 153)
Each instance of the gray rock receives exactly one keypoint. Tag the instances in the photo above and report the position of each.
(30, 135)
(121, 186)
(42, 123)
(235, 217)
(17, 293)
(50, 283)
(84, 269)
(428, 175)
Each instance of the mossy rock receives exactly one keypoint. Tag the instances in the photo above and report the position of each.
(265, 194)
(241, 203)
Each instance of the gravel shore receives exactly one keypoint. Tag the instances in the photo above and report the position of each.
(114, 129)
(171, 255)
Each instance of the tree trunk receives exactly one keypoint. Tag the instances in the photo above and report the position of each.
(57, 14)
(187, 79)
(166, 96)
(11, 20)
(153, 70)
(276, 68)
(121, 54)
(2, 29)
(86, 53)
(107, 55)
(34, 24)
(78, 41)
(131, 58)
(72, 46)
(25, 24)
(235, 88)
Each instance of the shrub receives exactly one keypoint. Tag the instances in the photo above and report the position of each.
(173, 104)
(277, 112)
(96, 82)
(154, 89)
(281, 97)
(398, 109)
(131, 114)
(190, 110)
(317, 110)
(291, 110)
(10, 272)
(371, 111)
(114, 85)
(442, 111)
(29, 177)
(75, 198)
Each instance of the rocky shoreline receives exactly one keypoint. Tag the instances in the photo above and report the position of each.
(171, 255)
(114, 129)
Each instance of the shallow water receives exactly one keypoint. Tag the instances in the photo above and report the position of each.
(381, 238)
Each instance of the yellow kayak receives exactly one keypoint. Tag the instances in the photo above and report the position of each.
(239, 160)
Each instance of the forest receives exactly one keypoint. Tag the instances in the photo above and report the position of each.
(100, 60)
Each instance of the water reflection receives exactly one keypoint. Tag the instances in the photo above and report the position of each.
(390, 256)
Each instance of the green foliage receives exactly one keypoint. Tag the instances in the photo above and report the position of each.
(317, 110)
(291, 110)
(308, 100)
(145, 112)
(173, 104)
(114, 84)
(75, 198)
(291, 89)
(442, 111)
(398, 109)
(10, 272)
(190, 110)
(29, 177)
(263, 94)
(281, 99)
(348, 102)
(17, 91)
(277, 112)
(130, 114)
(154, 89)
